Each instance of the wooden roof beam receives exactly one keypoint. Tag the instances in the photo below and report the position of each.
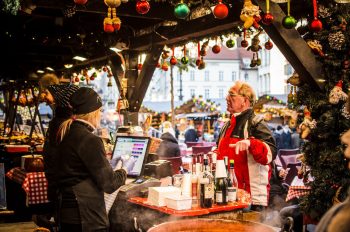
(293, 47)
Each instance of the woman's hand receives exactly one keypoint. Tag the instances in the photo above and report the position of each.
(242, 145)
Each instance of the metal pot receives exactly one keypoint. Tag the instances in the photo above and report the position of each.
(210, 225)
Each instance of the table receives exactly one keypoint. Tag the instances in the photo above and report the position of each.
(33, 183)
(297, 189)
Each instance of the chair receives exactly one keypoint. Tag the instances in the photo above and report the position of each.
(192, 144)
(201, 149)
(287, 156)
(176, 163)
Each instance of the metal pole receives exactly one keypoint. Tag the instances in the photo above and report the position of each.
(172, 96)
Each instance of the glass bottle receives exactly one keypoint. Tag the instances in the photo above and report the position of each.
(233, 186)
(206, 186)
(221, 183)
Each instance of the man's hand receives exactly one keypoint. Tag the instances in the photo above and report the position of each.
(242, 145)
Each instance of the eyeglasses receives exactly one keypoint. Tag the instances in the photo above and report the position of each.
(233, 94)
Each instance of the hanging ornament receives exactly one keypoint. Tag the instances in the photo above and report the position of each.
(248, 14)
(142, 7)
(253, 61)
(337, 40)
(295, 80)
(165, 54)
(220, 10)
(181, 10)
(268, 45)
(255, 46)
(267, 19)
(204, 48)
(173, 60)
(80, 2)
(184, 59)
(337, 93)
(258, 60)
(93, 76)
(290, 96)
(244, 42)
(139, 67)
(216, 48)
(316, 47)
(289, 21)
(230, 43)
(109, 84)
(295, 97)
(165, 66)
(111, 23)
(307, 124)
(201, 64)
(316, 24)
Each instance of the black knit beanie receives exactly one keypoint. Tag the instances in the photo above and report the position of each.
(62, 94)
(85, 100)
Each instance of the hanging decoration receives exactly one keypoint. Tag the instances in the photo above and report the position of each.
(142, 7)
(250, 14)
(307, 124)
(181, 10)
(112, 23)
(290, 96)
(204, 48)
(80, 2)
(123, 104)
(230, 43)
(295, 97)
(184, 59)
(342, 1)
(267, 19)
(198, 61)
(220, 10)
(255, 46)
(316, 24)
(316, 47)
(295, 80)
(165, 66)
(173, 60)
(337, 93)
(289, 21)
(337, 40)
(93, 76)
(268, 45)
(11, 6)
(216, 48)
(165, 54)
(244, 42)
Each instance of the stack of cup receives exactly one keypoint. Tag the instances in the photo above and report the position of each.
(220, 169)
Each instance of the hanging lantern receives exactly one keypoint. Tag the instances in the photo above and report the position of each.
(142, 7)
(316, 24)
(80, 2)
(181, 10)
(220, 10)
(268, 17)
(289, 21)
(268, 45)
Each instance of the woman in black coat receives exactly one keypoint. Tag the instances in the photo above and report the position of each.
(83, 172)
(169, 146)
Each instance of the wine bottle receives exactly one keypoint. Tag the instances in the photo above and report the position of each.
(206, 186)
(233, 186)
(221, 183)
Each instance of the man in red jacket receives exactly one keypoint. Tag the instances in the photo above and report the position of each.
(248, 141)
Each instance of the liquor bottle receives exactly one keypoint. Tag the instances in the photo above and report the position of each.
(206, 186)
(233, 186)
(220, 183)
(213, 163)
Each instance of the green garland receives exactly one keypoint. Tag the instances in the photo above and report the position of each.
(11, 6)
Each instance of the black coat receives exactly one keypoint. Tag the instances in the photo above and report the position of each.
(83, 175)
(169, 146)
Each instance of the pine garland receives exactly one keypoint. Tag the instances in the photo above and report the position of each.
(10, 6)
(323, 151)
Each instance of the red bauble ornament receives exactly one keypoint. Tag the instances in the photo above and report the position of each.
(142, 7)
(267, 19)
(216, 49)
(268, 45)
(316, 25)
(139, 67)
(257, 18)
(198, 62)
(80, 2)
(173, 60)
(244, 43)
(108, 28)
(77, 79)
(116, 26)
(220, 10)
(92, 78)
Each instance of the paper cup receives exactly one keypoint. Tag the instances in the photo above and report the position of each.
(220, 169)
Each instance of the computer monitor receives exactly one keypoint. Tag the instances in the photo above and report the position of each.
(133, 151)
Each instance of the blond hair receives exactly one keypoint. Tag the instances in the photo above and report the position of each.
(246, 91)
(92, 117)
(47, 80)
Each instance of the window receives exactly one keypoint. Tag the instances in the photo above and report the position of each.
(234, 76)
(246, 77)
(221, 75)
(206, 75)
(178, 76)
(206, 93)
(288, 69)
(221, 93)
(192, 75)
(192, 92)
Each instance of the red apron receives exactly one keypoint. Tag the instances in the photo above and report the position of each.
(241, 167)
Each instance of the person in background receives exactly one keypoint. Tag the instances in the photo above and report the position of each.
(83, 172)
(57, 97)
(295, 137)
(169, 146)
(250, 143)
(191, 133)
(286, 137)
(277, 134)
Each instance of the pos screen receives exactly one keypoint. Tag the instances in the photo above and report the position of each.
(133, 151)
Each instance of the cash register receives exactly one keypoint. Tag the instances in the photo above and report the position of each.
(133, 151)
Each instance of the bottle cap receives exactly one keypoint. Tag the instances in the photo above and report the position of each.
(220, 169)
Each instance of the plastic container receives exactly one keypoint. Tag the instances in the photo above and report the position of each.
(178, 202)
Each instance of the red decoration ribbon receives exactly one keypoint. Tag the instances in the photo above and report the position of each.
(314, 3)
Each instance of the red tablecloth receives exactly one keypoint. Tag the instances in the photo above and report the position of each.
(33, 183)
(297, 189)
